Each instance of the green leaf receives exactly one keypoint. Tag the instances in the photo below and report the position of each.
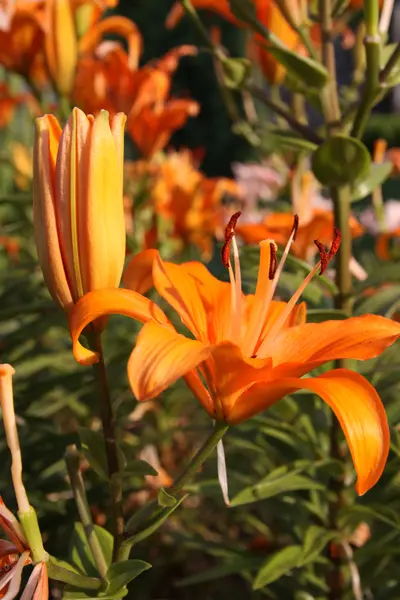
(287, 140)
(381, 302)
(277, 482)
(341, 160)
(80, 553)
(301, 68)
(121, 573)
(236, 72)
(152, 523)
(394, 77)
(377, 175)
(228, 567)
(280, 563)
(94, 449)
(139, 467)
(61, 570)
(315, 540)
(317, 315)
(165, 499)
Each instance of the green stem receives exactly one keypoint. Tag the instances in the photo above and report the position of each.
(78, 488)
(218, 432)
(341, 200)
(30, 525)
(108, 422)
(330, 95)
(305, 38)
(304, 130)
(373, 56)
(220, 428)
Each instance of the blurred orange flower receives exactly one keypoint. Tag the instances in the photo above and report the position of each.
(108, 79)
(249, 351)
(8, 103)
(22, 41)
(268, 14)
(181, 194)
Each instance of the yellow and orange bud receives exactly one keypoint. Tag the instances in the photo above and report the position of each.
(61, 45)
(78, 203)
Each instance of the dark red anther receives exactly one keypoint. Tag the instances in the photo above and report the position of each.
(295, 227)
(226, 250)
(273, 264)
(230, 228)
(337, 238)
(323, 256)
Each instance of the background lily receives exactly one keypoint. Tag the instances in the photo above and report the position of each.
(78, 203)
(250, 351)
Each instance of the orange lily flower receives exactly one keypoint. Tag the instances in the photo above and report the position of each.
(249, 350)
(22, 42)
(78, 203)
(268, 14)
(107, 79)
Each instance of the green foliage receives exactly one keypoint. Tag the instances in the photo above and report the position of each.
(341, 160)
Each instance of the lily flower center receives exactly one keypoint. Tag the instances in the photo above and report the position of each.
(268, 277)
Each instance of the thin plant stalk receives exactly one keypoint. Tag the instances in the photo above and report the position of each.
(109, 431)
(78, 489)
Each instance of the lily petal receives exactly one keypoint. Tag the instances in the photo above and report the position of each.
(14, 577)
(179, 289)
(162, 356)
(360, 338)
(108, 302)
(37, 587)
(7, 547)
(138, 274)
(355, 403)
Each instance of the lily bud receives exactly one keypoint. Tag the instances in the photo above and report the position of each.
(61, 45)
(78, 203)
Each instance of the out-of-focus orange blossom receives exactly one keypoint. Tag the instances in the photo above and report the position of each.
(109, 78)
(182, 195)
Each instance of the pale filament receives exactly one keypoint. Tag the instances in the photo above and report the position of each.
(255, 330)
(235, 322)
(280, 321)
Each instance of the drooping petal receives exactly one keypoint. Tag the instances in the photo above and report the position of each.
(14, 578)
(108, 302)
(42, 590)
(138, 274)
(116, 25)
(162, 356)
(355, 403)
(360, 338)
(37, 587)
(7, 547)
(12, 527)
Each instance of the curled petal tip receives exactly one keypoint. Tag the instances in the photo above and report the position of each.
(6, 370)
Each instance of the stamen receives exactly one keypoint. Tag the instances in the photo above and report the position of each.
(226, 251)
(325, 257)
(274, 261)
(235, 277)
(230, 228)
(295, 227)
(335, 243)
